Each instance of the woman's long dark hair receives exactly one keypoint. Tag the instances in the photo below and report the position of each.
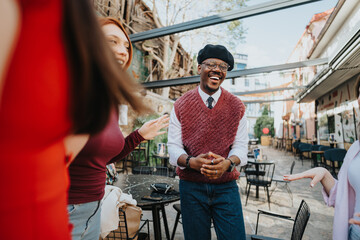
(98, 84)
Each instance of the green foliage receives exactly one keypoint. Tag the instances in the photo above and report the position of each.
(265, 111)
(264, 122)
(234, 29)
(139, 121)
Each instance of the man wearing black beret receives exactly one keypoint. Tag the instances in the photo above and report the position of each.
(207, 139)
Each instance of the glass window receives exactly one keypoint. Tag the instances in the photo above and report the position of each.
(247, 83)
(323, 127)
(348, 126)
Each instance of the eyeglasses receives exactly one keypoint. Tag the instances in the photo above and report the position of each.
(222, 66)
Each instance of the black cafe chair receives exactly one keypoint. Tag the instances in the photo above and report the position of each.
(145, 170)
(177, 219)
(296, 150)
(334, 158)
(304, 148)
(285, 183)
(149, 170)
(262, 179)
(300, 222)
(322, 159)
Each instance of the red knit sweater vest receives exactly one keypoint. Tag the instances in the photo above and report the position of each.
(204, 130)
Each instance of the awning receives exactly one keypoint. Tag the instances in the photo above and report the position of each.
(343, 66)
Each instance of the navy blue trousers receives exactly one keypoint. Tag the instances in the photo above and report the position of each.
(201, 202)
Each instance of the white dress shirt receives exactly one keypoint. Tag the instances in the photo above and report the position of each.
(175, 144)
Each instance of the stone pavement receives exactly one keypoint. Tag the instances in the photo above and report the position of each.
(319, 226)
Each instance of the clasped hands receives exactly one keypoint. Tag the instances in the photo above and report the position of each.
(210, 164)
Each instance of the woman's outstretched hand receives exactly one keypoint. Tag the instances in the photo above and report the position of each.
(152, 128)
(316, 174)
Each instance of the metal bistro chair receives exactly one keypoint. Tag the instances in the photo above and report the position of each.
(300, 222)
(303, 148)
(260, 179)
(279, 179)
(140, 156)
(296, 148)
(148, 170)
(177, 208)
(122, 231)
(250, 169)
(122, 165)
(335, 157)
(322, 159)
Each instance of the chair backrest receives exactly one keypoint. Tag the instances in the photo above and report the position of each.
(335, 154)
(264, 176)
(324, 148)
(148, 170)
(160, 171)
(305, 147)
(315, 147)
(292, 167)
(269, 171)
(301, 220)
(145, 170)
(296, 144)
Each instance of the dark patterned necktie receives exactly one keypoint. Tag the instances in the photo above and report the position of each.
(210, 101)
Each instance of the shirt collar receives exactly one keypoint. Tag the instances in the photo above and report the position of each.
(204, 96)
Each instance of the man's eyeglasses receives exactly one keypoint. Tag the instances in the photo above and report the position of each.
(222, 66)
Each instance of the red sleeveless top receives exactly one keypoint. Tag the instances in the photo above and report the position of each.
(33, 123)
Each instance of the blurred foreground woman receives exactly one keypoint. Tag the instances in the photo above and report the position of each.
(56, 79)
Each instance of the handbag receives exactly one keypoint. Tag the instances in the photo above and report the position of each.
(132, 214)
(125, 216)
(129, 218)
(162, 187)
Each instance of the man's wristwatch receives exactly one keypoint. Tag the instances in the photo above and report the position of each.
(188, 161)
(232, 165)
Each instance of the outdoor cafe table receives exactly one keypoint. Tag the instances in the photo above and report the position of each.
(139, 185)
(257, 163)
(314, 155)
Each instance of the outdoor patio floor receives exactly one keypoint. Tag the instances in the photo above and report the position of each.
(321, 219)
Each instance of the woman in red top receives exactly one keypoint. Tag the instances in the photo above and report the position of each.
(35, 110)
(87, 171)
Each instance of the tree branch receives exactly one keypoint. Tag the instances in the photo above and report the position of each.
(151, 52)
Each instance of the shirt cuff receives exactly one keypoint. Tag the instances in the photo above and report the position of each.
(243, 157)
(137, 136)
(174, 156)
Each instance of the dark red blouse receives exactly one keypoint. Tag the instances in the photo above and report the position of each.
(88, 170)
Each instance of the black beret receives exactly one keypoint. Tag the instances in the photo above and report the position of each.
(216, 51)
